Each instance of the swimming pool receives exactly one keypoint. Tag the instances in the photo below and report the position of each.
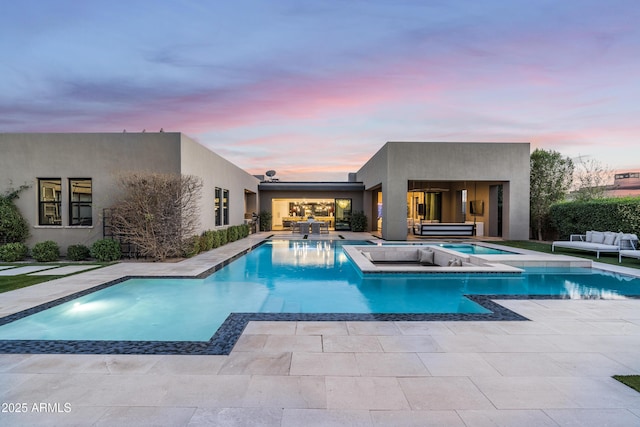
(465, 248)
(300, 277)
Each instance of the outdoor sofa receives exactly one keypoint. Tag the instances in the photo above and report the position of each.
(598, 242)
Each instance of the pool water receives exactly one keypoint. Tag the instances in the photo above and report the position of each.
(289, 276)
(465, 248)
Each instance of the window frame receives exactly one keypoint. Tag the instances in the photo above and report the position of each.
(44, 205)
(78, 222)
(217, 212)
(225, 207)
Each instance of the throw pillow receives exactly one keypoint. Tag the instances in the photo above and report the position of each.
(609, 237)
(426, 257)
(597, 237)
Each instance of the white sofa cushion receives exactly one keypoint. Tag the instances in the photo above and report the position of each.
(609, 238)
(597, 237)
(589, 236)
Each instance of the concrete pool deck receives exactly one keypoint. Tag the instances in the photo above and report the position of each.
(554, 370)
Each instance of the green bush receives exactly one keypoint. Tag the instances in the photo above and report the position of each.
(13, 227)
(244, 230)
(191, 247)
(265, 221)
(224, 237)
(208, 241)
(78, 252)
(614, 214)
(106, 250)
(12, 252)
(358, 221)
(216, 239)
(233, 233)
(46, 251)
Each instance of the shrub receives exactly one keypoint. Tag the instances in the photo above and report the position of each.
(614, 214)
(244, 230)
(265, 221)
(13, 227)
(358, 221)
(12, 252)
(224, 237)
(208, 240)
(202, 243)
(46, 251)
(78, 252)
(106, 250)
(233, 233)
(216, 239)
(191, 247)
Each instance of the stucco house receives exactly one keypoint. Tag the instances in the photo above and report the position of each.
(72, 179)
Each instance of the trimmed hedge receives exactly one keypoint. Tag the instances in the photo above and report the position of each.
(212, 239)
(106, 250)
(78, 252)
(12, 252)
(191, 247)
(614, 214)
(46, 251)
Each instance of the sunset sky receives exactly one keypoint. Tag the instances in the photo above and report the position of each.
(313, 88)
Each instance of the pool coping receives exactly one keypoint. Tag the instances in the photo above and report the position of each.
(227, 335)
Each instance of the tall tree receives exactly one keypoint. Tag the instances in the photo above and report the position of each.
(551, 176)
(590, 179)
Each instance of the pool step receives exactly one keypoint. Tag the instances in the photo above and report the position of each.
(272, 305)
(291, 307)
(279, 305)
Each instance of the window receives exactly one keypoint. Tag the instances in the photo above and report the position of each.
(49, 191)
(80, 201)
(216, 208)
(225, 206)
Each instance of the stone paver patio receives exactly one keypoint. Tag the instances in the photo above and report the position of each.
(554, 370)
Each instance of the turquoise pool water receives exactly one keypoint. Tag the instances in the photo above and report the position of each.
(289, 276)
(465, 248)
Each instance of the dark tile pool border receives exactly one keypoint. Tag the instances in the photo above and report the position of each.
(231, 329)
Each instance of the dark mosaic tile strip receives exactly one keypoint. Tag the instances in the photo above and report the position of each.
(227, 335)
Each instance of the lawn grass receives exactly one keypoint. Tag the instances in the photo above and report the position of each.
(10, 283)
(632, 381)
(606, 258)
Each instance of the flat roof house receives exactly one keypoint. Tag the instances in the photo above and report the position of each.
(72, 178)
(486, 184)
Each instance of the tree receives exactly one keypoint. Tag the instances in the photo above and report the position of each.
(590, 179)
(157, 212)
(13, 227)
(551, 177)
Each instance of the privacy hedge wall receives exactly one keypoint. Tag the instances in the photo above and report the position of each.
(615, 214)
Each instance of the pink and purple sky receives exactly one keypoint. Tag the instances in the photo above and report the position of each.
(313, 88)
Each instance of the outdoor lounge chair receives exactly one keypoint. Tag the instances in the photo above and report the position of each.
(598, 242)
(631, 253)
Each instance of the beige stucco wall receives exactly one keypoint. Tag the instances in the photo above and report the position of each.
(216, 171)
(101, 156)
(398, 162)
